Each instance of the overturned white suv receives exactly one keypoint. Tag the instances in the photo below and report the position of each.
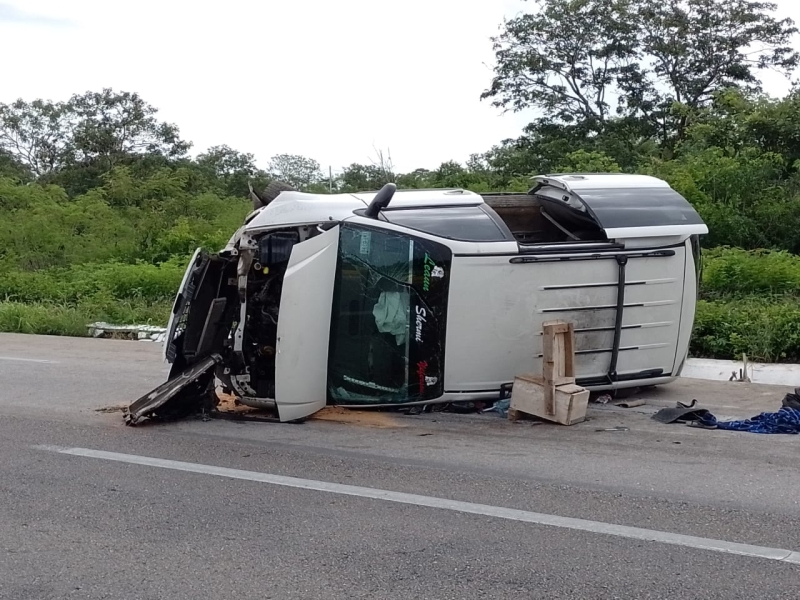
(411, 297)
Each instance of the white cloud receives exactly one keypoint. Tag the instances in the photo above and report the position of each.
(330, 80)
(12, 14)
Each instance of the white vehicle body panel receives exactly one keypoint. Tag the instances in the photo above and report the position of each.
(299, 208)
(301, 369)
(497, 308)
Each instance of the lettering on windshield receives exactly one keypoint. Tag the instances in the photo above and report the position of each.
(421, 319)
(424, 379)
(429, 270)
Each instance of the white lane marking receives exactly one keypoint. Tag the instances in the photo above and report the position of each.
(32, 360)
(649, 535)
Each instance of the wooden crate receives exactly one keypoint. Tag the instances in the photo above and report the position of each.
(570, 401)
(553, 395)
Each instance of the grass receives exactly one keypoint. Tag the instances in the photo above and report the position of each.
(737, 273)
(51, 318)
(766, 329)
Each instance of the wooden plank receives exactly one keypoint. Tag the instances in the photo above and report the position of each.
(569, 351)
(559, 365)
(548, 368)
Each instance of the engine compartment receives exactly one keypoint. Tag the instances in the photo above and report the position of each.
(232, 308)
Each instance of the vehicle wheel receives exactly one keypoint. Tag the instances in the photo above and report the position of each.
(261, 199)
(273, 189)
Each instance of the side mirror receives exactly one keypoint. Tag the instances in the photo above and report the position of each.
(381, 200)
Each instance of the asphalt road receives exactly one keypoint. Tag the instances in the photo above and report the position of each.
(253, 510)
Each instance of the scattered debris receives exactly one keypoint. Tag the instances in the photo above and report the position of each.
(231, 404)
(614, 429)
(365, 418)
(629, 403)
(602, 399)
(112, 409)
(743, 376)
(623, 401)
(178, 395)
(681, 413)
(786, 420)
(149, 333)
(792, 400)
(500, 407)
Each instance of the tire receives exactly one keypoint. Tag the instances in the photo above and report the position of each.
(273, 189)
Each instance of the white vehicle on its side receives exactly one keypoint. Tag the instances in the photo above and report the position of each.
(410, 297)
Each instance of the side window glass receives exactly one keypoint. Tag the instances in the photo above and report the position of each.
(465, 223)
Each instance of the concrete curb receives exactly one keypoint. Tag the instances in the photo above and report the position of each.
(763, 373)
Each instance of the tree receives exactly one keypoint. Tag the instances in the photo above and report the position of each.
(416, 179)
(564, 59)
(581, 161)
(37, 135)
(655, 61)
(697, 47)
(10, 167)
(94, 131)
(111, 127)
(360, 178)
(299, 171)
(230, 170)
(384, 164)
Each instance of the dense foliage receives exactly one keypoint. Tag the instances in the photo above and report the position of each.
(100, 203)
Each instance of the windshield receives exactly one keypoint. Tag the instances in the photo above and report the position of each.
(388, 319)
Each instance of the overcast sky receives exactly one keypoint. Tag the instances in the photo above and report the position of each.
(329, 79)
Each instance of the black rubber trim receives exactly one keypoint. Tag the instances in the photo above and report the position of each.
(622, 262)
(603, 380)
(606, 350)
(542, 259)
(568, 247)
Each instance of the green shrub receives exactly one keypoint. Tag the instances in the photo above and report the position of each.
(735, 272)
(117, 281)
(765, 329)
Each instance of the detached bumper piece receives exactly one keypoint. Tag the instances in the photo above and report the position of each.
(182, 394)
